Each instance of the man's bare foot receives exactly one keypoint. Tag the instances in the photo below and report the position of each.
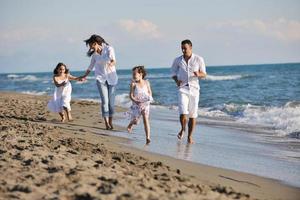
(148, 141)
(190, 140)
(180, 135)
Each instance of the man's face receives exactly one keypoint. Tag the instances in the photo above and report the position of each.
(186, 49)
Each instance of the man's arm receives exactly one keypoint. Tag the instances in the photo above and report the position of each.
(178, 82)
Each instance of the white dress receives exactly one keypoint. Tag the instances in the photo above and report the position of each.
(61, 97)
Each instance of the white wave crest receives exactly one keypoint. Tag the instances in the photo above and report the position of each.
(285, 119)
(34, 92)
(12, 76)
(22, 77)
(123, 100)
(224, 78)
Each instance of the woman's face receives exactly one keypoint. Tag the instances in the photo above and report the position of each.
(95, 46)
(136, 75)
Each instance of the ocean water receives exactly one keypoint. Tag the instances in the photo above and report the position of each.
(249, 116)
(266, 97)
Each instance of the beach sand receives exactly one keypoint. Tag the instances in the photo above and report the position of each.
(42, 158)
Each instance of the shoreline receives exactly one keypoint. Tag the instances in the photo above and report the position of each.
(122, 172)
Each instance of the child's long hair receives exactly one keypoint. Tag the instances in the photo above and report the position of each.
(55, 71)
(141, 70)
(94, 38)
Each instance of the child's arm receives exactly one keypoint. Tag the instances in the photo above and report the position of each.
(70, 77)
(149, 88)
(58, 84)
(131, 96)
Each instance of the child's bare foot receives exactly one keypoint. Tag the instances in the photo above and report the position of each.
(63, 119)
(129, 128)
(180, 135)
(148, 141)
(69, 116)
(190, 140)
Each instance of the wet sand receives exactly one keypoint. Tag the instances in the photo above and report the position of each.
(42, 158)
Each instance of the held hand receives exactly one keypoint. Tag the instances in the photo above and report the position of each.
(178, 82)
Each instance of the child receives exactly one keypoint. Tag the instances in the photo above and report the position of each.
(141, 96)
(62, 94)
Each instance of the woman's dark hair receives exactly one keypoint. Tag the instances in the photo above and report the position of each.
(94, 38)
(189, 42)
(141, 70)
(55, 71)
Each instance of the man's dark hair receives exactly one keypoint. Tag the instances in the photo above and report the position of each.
(187, 42)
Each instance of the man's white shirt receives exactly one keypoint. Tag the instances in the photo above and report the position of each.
(185, 71)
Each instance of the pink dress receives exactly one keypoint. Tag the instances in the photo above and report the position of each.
(144, 99)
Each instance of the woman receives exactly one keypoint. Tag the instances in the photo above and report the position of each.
(103, 61)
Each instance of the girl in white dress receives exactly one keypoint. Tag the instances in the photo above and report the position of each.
(60, 102)
(141, 96)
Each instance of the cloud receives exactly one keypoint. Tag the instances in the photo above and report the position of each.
(140, 28)
(280, 29)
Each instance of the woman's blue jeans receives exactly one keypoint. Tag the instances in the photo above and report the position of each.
(107, 95)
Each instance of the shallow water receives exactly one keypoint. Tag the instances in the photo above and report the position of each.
(224, 147)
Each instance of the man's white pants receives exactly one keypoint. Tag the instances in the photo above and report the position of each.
(188, 99)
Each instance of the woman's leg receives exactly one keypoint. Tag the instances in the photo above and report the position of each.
(111, 103)
(103, 91)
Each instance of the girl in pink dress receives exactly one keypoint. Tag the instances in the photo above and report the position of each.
(141, 96)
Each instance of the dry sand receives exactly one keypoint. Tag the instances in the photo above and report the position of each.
(41, 158)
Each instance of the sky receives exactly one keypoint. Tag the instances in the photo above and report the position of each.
(37, 34)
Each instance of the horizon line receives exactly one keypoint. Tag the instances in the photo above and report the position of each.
(208, 66)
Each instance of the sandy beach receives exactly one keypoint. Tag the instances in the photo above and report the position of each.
(42, 158)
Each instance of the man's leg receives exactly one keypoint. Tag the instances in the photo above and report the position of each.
(183, 120)
(193, 110)
(192, 124)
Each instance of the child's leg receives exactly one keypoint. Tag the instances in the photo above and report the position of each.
(62, 115)
(130, 125)
(146, 127)
(69, 116)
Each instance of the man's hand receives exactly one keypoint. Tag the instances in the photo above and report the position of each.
(200, 74)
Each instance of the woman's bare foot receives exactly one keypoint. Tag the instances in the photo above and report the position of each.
(111, 127)
(148, 141)
(180, 135)
(190, 140)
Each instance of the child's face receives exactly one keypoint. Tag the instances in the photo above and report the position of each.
(136, 75)
(61, 69)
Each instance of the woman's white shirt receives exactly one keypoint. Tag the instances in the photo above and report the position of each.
(100, 62)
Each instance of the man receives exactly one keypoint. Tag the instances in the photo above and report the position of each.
(186, 70)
